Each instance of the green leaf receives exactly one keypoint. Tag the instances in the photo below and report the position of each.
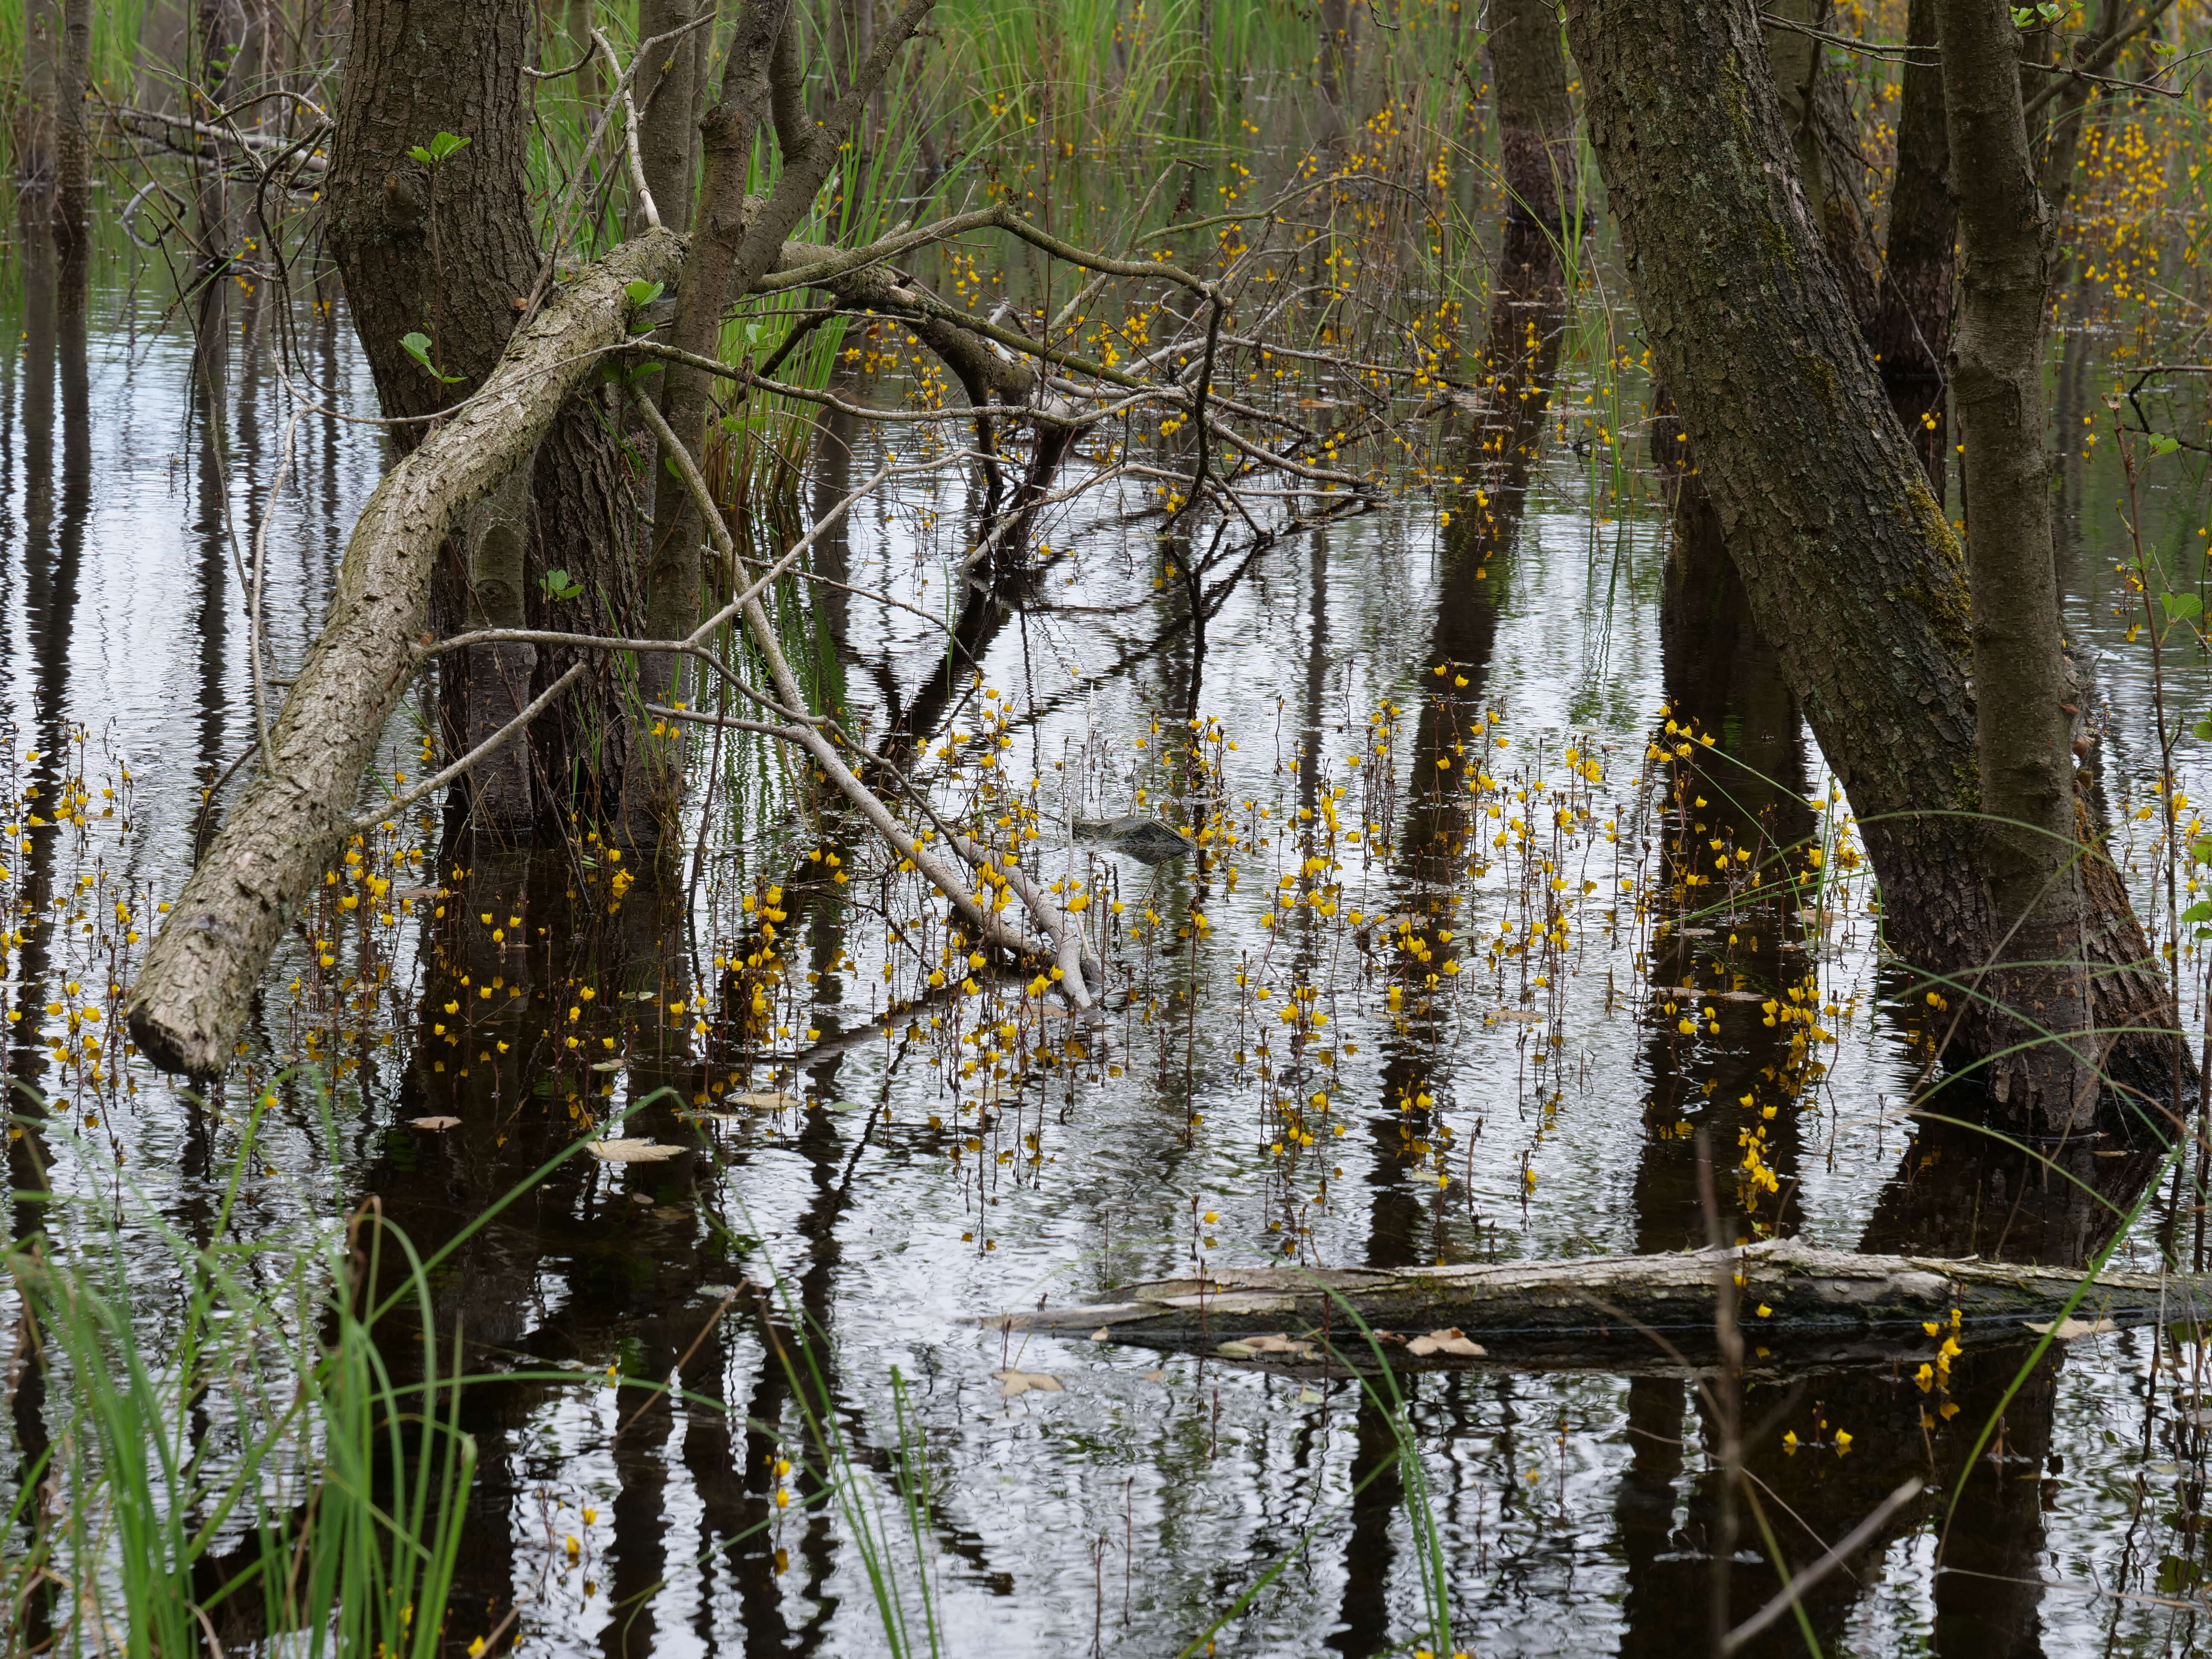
(2161, 444)
(642, 294)
(417, 346)
(558, 586)
(2203, 728)
(2180, 605)
(2201, 847)
(2200, 911)
(445, 145)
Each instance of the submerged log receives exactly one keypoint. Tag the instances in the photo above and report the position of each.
(1796, 1304)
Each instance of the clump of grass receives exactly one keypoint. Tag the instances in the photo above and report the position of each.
(224, 1444)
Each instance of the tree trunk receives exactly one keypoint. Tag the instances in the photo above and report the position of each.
(2027, 767)
(450, 252)
(2062, 121)
(1535, 117)
(1912, 330)
(33, 114)
(667, 135)
(73, 127)
(734, 243)
(672, 572)
(1849, 565)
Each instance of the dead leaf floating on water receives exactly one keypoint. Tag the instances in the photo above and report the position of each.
(1448, 1340)
(2067, 1330)
(774, 1101)
(1523, 1016)
(1013, 1382)
(1102, 1334)
(434, 1123)
(637, 1150)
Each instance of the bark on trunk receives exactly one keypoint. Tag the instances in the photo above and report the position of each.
(191, 995)
(1535, 117)
(667, 135)
(2027, 767)
(1912, 330)
(73, 127)
(1587, 1311)
(1851, 568)
(449, 252)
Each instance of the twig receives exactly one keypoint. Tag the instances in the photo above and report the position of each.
(987, 921)
(629, 128)
(1807, 1576)
(484, 751)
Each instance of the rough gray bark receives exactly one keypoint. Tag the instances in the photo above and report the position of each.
(1912, 328)
(2027, 767)
(1851, 569)
(1878, 1305)
(191, 998)
(73, 126)
(1536, 116)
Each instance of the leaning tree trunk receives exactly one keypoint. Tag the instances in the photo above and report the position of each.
(1912, 329)
(1849, 563)
(191, 997)
(1535, 117)
(2026, 772)
(450, 252)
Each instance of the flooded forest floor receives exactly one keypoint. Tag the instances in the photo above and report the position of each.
(1512, 913)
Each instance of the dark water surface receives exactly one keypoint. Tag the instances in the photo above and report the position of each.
(1534, 1100)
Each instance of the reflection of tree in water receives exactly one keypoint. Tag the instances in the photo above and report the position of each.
(1528, 318)
(620, 1265)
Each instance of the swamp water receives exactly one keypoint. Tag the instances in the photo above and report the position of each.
(1389, 1012)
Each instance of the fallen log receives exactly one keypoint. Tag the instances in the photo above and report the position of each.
(1794, 1304)
(191, 998)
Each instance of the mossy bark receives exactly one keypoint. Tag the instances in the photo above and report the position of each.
(1851, 569)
